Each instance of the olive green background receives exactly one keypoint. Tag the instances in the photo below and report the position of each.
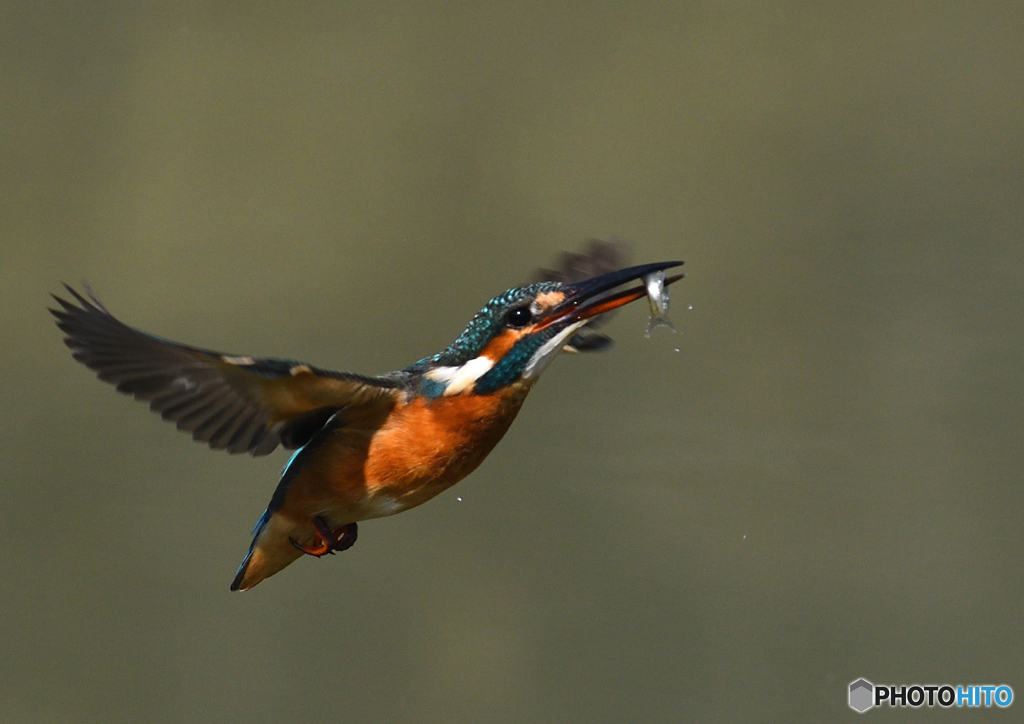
(822, 483)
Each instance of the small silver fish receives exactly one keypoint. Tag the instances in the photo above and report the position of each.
(657, 296)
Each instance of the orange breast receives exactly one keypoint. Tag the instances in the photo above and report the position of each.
(427, 445)
(381, 464)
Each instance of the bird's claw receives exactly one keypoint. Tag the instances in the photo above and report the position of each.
(326, 540)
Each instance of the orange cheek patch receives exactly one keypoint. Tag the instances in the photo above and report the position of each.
(499, 346)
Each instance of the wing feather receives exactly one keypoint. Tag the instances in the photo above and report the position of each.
(233, 402)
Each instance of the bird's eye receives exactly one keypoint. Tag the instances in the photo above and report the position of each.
(519, 317)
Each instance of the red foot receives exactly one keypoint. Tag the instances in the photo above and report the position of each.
(328, 541)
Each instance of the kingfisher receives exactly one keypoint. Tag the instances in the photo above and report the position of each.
(364, 446)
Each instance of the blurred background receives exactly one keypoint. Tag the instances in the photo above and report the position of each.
(817, 479)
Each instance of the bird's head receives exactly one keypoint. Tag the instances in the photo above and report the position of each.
(518, 333)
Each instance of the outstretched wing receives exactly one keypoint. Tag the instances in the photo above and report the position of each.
(241, 404)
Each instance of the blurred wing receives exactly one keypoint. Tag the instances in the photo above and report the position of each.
(596, 258)
(241, 404)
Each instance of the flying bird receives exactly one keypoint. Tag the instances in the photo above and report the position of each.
(365, 446)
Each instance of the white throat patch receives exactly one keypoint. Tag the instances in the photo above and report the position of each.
(549, 350)
(459, 379)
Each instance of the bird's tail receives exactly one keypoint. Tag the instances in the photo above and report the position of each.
(271, 551)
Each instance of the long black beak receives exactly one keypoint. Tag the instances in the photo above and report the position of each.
(589, 298)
